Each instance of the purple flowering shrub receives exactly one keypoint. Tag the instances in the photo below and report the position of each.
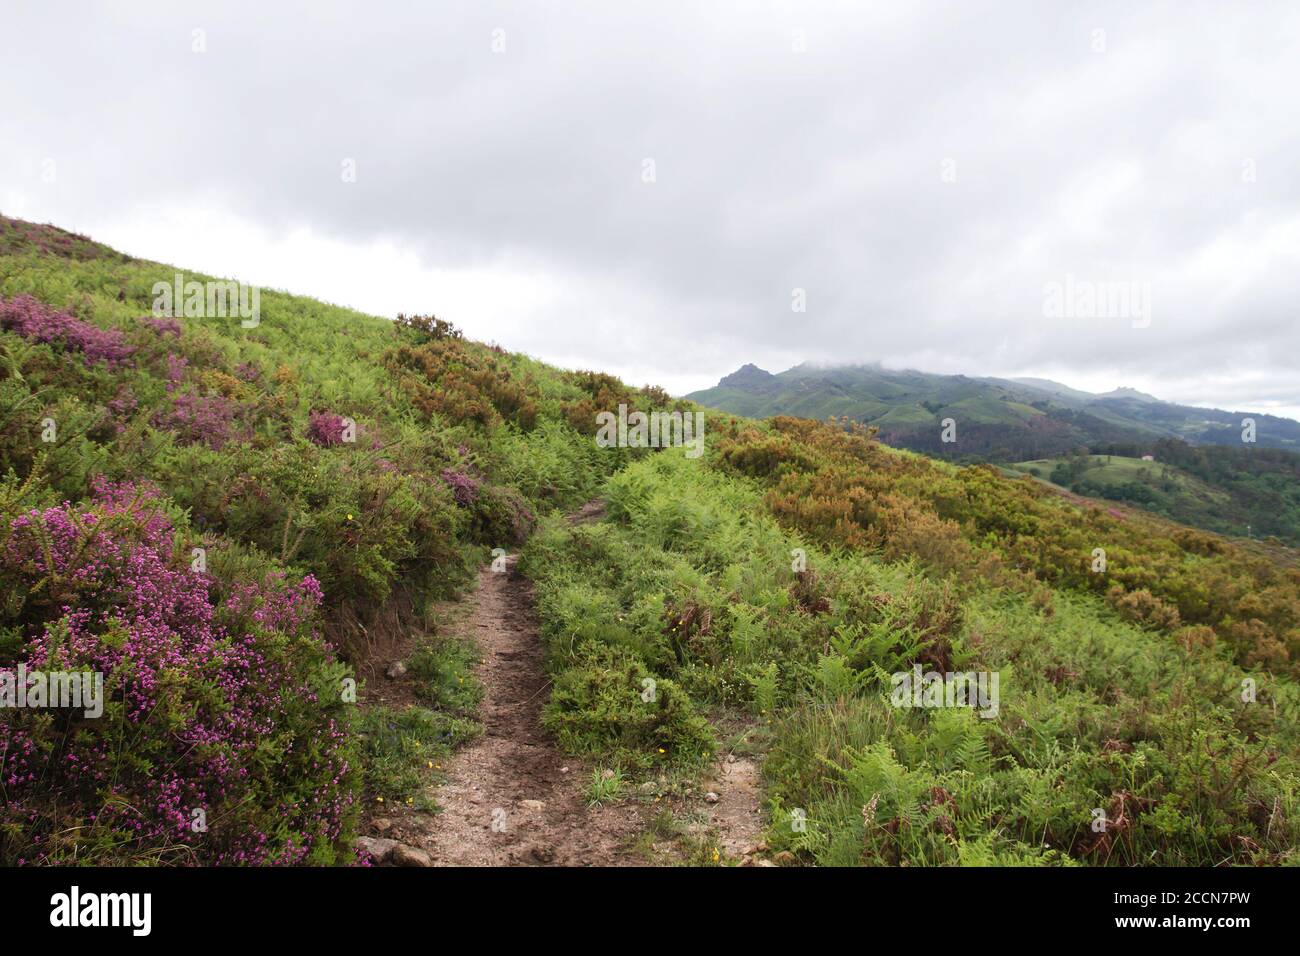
(326, 429)
(220, 700)
(39, 322)
(121, 407)
(198, 419)
(210, 420)
(176, 367)
(463, 487)
(498, 515)
(162, 326)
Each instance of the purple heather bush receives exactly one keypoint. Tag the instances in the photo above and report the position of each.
(163, 326)
(463, 487)
(121, 407)
(326, 429)
(200, 419)
(176, 366)
(220, 697)
(211, 420)
(41, 323)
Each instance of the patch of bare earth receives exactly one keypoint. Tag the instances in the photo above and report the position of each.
(511, 798)
(591, 511)
(733, 806)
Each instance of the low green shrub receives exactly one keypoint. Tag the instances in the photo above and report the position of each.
(606, 702)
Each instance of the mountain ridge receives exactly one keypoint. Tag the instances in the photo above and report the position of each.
(1006, 414)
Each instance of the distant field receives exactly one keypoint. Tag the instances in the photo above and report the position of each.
(1114, 469)
(1160, 488)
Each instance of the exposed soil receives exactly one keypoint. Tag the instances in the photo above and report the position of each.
(511, 798)
(591, 511)
(490, 811)
(736, 817)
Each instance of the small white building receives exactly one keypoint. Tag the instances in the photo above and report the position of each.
(1148, 457)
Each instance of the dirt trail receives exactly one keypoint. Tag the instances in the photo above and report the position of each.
(508, 799)
(736, 817)
(511, 798)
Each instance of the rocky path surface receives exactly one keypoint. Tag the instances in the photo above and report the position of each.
(511, 798)
(733, 812)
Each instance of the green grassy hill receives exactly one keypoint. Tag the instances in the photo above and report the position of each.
(225, 521)
(298, 492)
(1231, 487)
(998, 419)
(1167, 490)
(1113, 472)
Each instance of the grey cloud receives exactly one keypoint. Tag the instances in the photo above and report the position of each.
(775, 170)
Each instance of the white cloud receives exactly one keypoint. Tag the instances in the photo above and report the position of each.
(503, 190)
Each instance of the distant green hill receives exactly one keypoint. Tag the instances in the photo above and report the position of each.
(1203, 474)
(1252, 493)
(1171, 492)
(996, 419)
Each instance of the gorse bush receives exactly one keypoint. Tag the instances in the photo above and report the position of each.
(605, 702)
(496, 515)
(463, 382)
(427, 327)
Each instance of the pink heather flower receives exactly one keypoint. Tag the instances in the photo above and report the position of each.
(199, 685)
(39, 322)
(163, 326)
(176, 366)
(326, 429)
(247, 372)
(463, 487)
(121, 407)
(206, 419)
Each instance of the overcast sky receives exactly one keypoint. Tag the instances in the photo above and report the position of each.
(643, 188)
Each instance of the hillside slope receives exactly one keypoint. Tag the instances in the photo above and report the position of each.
(1254, 489)
(233, 524)
(229, 524)
(1254, 507)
